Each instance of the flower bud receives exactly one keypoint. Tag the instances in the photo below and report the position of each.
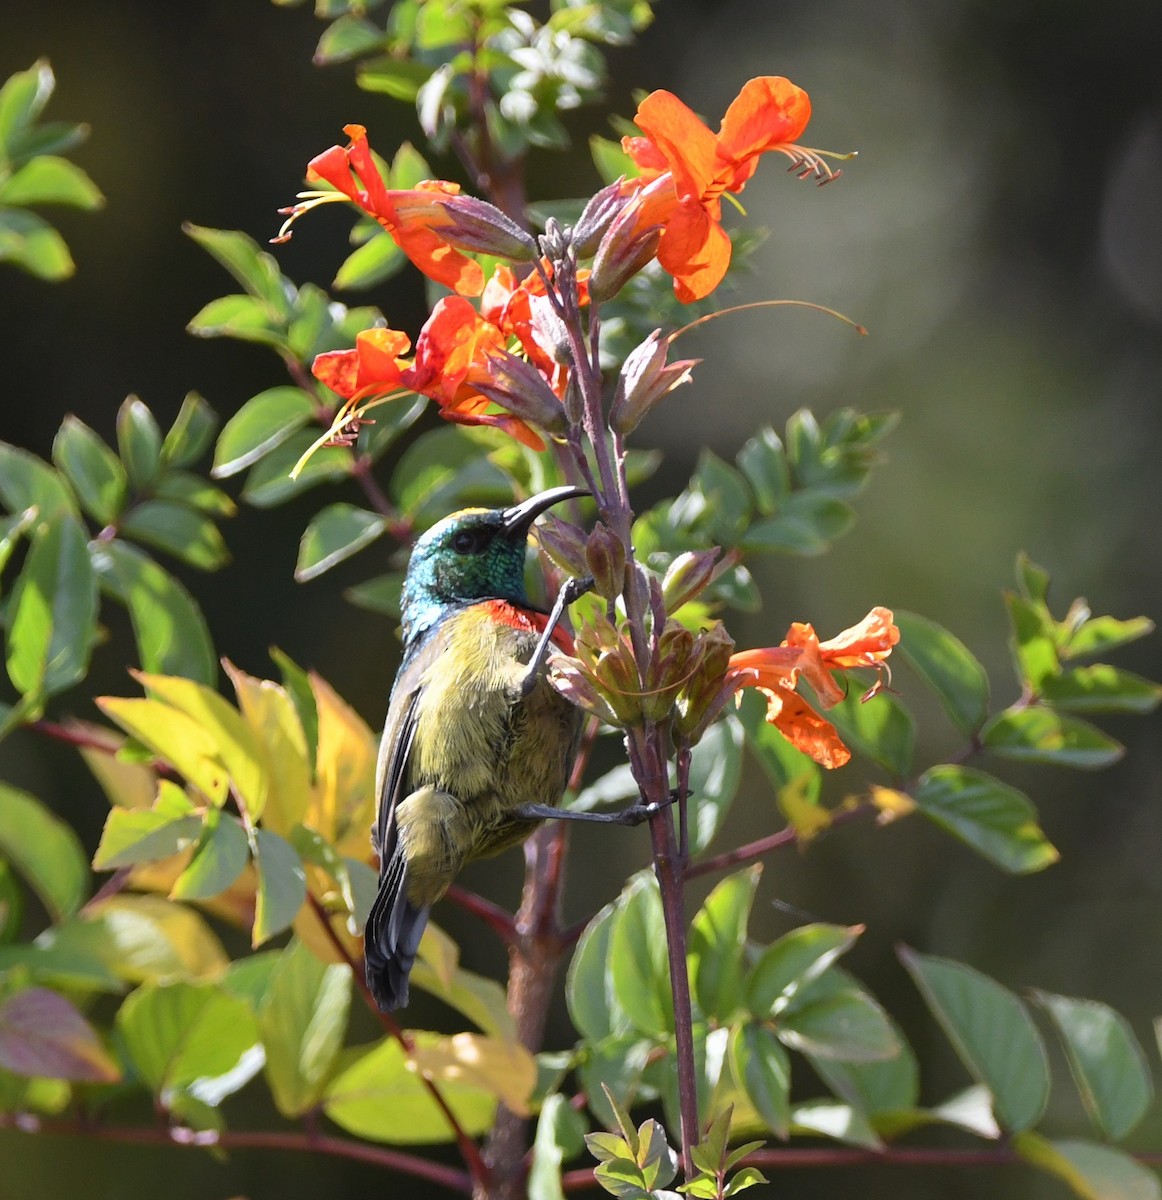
(519, 388)
(686, 576)
(644, 379)
(480, 226)
(706, 692)
(571, 680)
(605, 556)
(621, 254)
(549, 330)
(564, 543)
(596, 218)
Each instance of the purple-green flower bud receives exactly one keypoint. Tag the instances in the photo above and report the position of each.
(605, 556)
(595, 220)
(645, 378)
(622, 253)
(686, 576)
(564, 543)
(519, 388)
(477, 225)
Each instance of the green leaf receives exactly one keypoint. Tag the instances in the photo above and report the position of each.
(303, 1020)
(256, 270)
(379, 595)
(723, 497)
(991, 1031)
(335, 534)
(377, 1096)
(141, 835)
(794, 961)
(559, 1137)
(1093, 1172)
(806, 523)
(715, 774)
(11, 530)
(1100, 688)
(183, 1036)
(264, 422)
(1041, 735)
(192, 491)
(191, 433)
(616, 1065)
(839, 1121)
(399, 78)
(52, 613)
(717, 939)
(994, 819)
(1099, 635)
(441, 471)
(841, 1022)
(945, 664)
(42, 1034)
(138, 442)
(27, 482)
(763, 1070)
(269, 482)
(48, 179)
(593, 1005)
(282, 885)
(764, 463)
(92, 469)
(882, 728)
(347, 38)
(379, 258)
(180, 531)
(219, 858)
(886, 1086)
(22, 100)
(243, 317)
(171, 633)
(32, 244)
(637, 956)
(1107, 1062)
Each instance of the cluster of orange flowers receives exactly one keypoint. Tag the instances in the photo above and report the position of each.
(495, 363)
(684, 171)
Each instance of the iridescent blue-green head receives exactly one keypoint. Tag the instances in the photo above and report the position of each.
(475, 554)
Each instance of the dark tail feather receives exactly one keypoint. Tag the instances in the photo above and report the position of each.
(392, 937)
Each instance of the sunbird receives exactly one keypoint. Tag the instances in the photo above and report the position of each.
(477, 746)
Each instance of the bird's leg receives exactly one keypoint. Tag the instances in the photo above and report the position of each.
(634, 815)
(571, 589)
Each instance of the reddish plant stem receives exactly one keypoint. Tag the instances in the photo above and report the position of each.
(534, 958)
(756, 849)
(498, 919)
(468, 1148)
(306, 1141)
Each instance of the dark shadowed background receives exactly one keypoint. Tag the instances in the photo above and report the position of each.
(1001, 237)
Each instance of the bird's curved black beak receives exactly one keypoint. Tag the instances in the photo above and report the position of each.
(519, 517)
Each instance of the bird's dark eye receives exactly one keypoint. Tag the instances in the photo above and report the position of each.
(466, 542)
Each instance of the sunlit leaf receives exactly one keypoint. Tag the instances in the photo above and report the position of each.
(991, 1031)
(219, 858)
(637, 956)
(282, 885)
(716, 941)
(1094, 1172)
(302, 1020)
(45, 850)
(593, 1004)
(1041, 735)
(380, 1096)
(993, 818)
(762, 1069)
(94, 472)
(945, 664)
(504, 1068)
(264, 422)
(785, 967)
(1106, 1060)
(334, 534)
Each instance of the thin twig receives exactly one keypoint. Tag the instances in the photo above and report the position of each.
(229, 1139)
(498, 919)
(468, 1148)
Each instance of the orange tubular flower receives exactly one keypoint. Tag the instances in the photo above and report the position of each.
(414, 218)
(686, 168)
(775, 671)
(451, 358)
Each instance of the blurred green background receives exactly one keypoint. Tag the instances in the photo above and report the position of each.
(1001, 237)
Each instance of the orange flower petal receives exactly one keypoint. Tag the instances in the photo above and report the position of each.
(864, 644)
(805, 729)
(681, 138)
(695, 250)
(769, 111)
